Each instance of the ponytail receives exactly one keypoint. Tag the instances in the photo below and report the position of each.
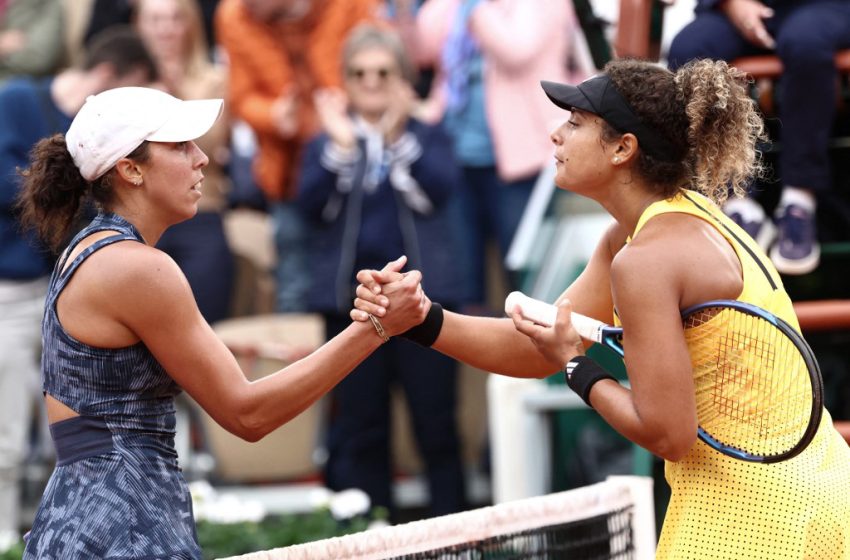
(705, 108)
(724, 128)
(53, 191)
(651, 93)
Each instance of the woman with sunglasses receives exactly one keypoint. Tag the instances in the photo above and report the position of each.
(377, 183)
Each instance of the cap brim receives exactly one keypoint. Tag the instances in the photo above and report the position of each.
(567, 97)
(191, 120)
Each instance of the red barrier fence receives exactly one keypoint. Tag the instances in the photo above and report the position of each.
(826, 315)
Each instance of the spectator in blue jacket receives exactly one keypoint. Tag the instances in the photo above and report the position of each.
(805, 34)
(375, 184)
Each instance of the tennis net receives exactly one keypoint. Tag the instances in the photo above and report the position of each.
(613, 519)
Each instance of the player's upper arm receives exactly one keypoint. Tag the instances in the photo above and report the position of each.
(157, 304)
(646, 286)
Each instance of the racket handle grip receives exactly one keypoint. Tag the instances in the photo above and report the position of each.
(545, 314)
(538, 311)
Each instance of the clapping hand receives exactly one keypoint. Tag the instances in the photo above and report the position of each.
(332, 108)
(11, 41)
(284, 113)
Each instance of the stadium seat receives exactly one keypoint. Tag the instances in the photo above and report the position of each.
(823, 315)
(635, 40)
(634, 30)
(765, 69)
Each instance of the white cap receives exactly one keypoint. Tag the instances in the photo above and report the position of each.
(113, 123)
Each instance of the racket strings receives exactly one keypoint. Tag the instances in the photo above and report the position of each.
(753, 387)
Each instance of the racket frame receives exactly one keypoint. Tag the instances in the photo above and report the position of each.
(612, 338)
(811, 365)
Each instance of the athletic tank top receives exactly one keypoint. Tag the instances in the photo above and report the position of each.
(725, 508)
(125, 386)
(117, 490)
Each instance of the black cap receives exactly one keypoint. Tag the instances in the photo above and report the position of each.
(598, 95)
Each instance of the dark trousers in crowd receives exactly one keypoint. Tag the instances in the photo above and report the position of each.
(359, 439)
(487, 208)
(807, 33)
(200, 249)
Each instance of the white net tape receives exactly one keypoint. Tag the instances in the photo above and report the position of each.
(613, 495)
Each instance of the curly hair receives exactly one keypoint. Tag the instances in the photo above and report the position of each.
(53, 191)
(705, 109)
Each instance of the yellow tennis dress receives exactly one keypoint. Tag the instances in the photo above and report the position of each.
(725, 508)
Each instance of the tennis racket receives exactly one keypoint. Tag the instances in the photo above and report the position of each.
(759, 390)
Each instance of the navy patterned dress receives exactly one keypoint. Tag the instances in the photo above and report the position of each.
(117, 491)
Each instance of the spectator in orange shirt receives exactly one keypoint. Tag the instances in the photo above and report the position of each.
(280, 53)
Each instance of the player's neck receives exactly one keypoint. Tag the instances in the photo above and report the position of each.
(628, 200)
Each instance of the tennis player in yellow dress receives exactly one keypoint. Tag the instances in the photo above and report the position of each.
(661, 151)
(723, 507)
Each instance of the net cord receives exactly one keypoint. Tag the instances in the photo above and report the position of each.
(510, 517)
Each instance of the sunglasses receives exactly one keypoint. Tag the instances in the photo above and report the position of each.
(360, 74)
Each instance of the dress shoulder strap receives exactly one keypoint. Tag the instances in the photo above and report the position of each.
(124, 231)
(695, 204)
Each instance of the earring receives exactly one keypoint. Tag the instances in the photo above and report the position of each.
(137, 181)
(616, 160)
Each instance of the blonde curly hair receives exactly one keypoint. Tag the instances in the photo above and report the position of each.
(705, 109)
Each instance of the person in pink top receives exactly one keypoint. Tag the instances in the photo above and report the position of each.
(488, 56)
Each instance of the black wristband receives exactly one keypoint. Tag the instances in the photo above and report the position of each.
(582, 373)
(426, 332)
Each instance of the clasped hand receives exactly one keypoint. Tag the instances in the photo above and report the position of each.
(559, 343)
(395, 297)
(398, 300)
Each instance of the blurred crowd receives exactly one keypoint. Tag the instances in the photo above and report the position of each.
(355, 130)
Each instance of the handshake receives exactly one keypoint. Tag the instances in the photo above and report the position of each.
(396, 304)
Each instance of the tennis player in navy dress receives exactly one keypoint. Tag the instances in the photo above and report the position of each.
(123, 335)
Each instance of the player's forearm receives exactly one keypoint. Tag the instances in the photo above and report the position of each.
(492, 345)
(661, 432)
(276, 399)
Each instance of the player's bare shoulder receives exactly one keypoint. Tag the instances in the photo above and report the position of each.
(131, 269)
(677, 238)
(690, 253)
(660, 254)
(614, 238)
(652, 246)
